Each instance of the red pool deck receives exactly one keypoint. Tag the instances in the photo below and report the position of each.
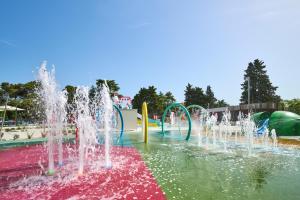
(22, 176)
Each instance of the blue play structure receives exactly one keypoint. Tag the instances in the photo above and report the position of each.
(114, 119)
(122, 121)
(264, 126)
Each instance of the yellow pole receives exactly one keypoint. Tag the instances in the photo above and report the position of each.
(145, 121)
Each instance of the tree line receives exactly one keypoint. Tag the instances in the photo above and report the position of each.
(24, 96)
(158, 101)
(261, 91)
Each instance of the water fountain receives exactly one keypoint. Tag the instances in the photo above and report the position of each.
(227, 135)
(199, 120)
(274, 138)
(87, 165)
(54, 103)
(107, 116)
(226, 127)
(86, 169)
(249, 127)
(84, 109)
(214, 120)
(172, 118)
(85, 124)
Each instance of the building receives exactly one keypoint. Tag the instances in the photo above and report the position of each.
(254, 107)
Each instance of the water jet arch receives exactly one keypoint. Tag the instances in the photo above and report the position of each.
(185, 111)
(195, 106)
(203, 110)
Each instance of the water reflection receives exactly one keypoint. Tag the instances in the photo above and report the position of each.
(259, 175)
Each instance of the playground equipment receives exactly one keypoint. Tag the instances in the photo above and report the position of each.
(145, 122)
(263, 128)
(196, 106)
(203, 112)
(122, 122)
(260, 117)
(185, 111)
(151, 122)
(285, 123)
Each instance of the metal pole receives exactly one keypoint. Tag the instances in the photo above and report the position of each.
(16, 118)
(3, 119)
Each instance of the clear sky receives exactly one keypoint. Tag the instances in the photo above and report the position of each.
(166, 43)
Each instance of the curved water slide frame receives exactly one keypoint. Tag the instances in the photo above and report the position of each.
(185, 111)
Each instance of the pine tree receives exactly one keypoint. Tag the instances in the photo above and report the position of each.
(261, 88)
(188, 95)
(194, 95)
(157, 103)
(210, 97)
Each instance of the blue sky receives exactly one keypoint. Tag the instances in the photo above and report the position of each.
(166, 43)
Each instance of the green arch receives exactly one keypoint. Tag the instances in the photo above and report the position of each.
(187, 114)
(196, 106)
(199, 107)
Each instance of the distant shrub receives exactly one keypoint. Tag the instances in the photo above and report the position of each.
(29, 134)
(16, 136)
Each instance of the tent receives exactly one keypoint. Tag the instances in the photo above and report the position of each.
(10, 108)
(6, 108)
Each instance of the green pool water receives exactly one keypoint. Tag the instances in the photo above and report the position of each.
(185, 170)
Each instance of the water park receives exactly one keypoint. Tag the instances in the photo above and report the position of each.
(95, 148)
(141, 100)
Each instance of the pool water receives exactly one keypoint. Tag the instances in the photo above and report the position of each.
(185, 170)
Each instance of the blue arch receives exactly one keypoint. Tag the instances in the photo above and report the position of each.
(122, 121)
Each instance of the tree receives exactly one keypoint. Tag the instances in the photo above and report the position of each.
(71, 90)
(194, 95)
(112, 85)
(163, 101)
(210, 97)
(22, 96)
(261, 88)
(2, 96)
(156, 102)
(221, 103)
(169, 98)
(292, 105)
(92, 92)
(148, 95)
